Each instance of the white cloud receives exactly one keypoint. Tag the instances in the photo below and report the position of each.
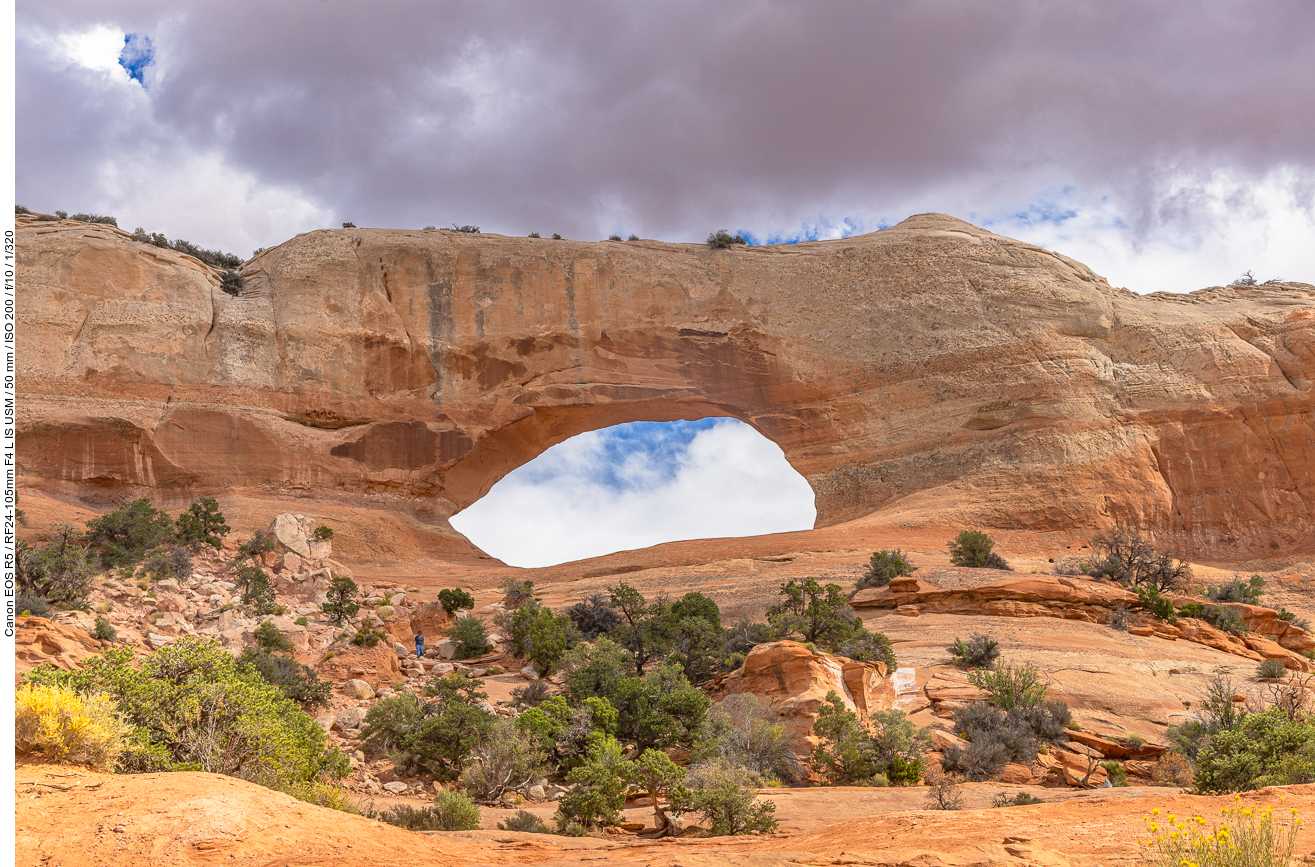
(575, 501)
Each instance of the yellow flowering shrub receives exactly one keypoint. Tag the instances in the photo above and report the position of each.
(1247, 837)
(60, 725)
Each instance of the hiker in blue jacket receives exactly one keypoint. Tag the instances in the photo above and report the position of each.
(420, 646)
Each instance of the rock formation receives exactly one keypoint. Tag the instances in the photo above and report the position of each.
(928, 373)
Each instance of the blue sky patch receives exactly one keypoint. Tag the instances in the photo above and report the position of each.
(138, 53)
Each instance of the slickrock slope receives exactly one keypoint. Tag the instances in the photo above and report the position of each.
(929, 373)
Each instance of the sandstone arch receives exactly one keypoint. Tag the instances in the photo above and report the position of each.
(931, 372)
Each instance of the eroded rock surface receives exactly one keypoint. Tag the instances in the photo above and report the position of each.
(932, 371)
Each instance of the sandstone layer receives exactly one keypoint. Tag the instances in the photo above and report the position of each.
(928, 373)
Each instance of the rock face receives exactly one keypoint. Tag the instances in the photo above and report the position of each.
(793, 682)
(38, 641)
(932, 372)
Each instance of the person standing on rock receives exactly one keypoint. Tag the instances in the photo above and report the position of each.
(420, 646)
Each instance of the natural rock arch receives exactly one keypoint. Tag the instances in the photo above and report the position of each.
(931, 372)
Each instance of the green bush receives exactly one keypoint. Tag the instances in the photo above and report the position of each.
(549, 639)
(454, 600)
(972, 548)
(57, 573)
(123, 536)
(661, 709)
(980, 651)
(594, 616)
(644, 629)
(368, 637)
(1265, 748)
(192, 706)
(29, 603)
(850, 754)
(567, 735)
(349, 225)
(1022, 799)
(614, 237)
(270, 640)
(1247, 592)
(436, 734)
(1011, 686)
(884, 567)
(523, 820)
(342, 605)
(203, 524)
(1148, 597)
(994, 737)
(469, 230)
(1271, 669)
(323, 533)
(556, 237)
(103, 631)
(594, 670)
(301, 621)
(257, 591)
(721, 239)
(258, 544)
(721, 794)
(297, 682)
(62, 725)
(470, 637)
(1295, 619)
(598, 788)
(1118, 777)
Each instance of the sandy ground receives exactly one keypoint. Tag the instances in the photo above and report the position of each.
(68, 816)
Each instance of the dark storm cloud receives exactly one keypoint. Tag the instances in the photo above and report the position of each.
(670, 119)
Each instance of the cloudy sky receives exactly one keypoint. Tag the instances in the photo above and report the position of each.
(1166, 144)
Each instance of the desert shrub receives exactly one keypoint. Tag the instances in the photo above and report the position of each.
(454, 600)
(1022, 799)
(1118, 777)
(593, 617)
(257, 591)
(469, 230)
(944, 791)
(61, 725)
(470, 637)
(598, 788)
(696, 644)
(556, 237)
(812, 612)
(1215, 712)
(19, 209)
(1011, 686)
(192, 706)
(973, 548)
(1247, 279)
(95, 218)
(1172, 769)
(523, 820)
(654, 772)
(744, 636)
(595, 670)
(980, 651)
(103, 631)
(660, 709)
(258, 544)
(1132, 559)
(850, 754)
(342, 604)
(644, 629)
(721, 239)
(996, 737)
(1295, 619)
(349, 225)
(1148, 597)
(532, 694)
(368, 637)
(745, 733)
(123, 536)
(633, 237)
(1216, 615)
(231, 282)
(569, 734)
(450, 811)
(323, 532)
(58, 573)
(174, 563)
(297, 682)
(884, 567)
(531, 235)
(1119, 618)
(270, 640)
(504, 758)
(31, 603)
(436, 733)
(1271, 669)
(1265, 748)
(1246, 836)
(301, 621)
(203, 524)
(549, 638)
(1237, 590)
(614, 237)
(721, 794)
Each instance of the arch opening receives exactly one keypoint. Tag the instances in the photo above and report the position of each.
(636, 485)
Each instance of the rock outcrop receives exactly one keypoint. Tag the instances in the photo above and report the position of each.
(38, 641)
(928, 373)
(793, 682)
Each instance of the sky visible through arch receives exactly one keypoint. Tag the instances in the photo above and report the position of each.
(636, 485)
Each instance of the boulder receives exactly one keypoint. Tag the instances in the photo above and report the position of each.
(396, 788)
(793, 682)
(292, 533)
(358, 689)
(349, 718)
